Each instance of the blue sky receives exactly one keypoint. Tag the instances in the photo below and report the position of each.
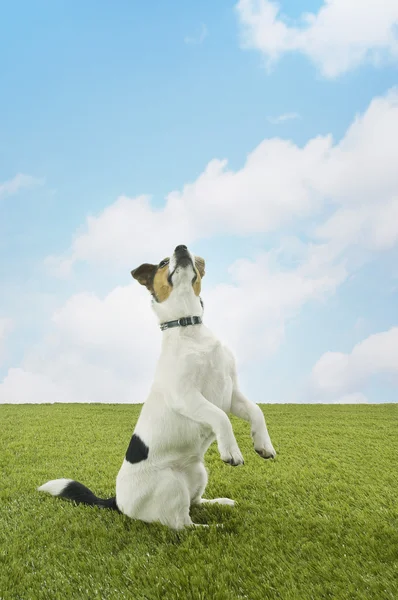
(127, 99)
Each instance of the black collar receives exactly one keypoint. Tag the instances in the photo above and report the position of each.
(181, 322)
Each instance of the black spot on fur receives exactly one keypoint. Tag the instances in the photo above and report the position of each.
(137, 450)
(80, 494)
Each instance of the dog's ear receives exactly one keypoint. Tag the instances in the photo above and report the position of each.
(200, 265)
(144, 274)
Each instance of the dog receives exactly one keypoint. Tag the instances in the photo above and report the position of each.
(195, 386)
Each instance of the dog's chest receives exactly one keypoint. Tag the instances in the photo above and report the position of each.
(216, 384)
(200, 363)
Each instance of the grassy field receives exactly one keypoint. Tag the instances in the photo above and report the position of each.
(321, 521)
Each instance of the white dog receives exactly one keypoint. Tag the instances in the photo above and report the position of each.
(195, 385)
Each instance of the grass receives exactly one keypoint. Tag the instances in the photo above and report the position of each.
(321, 521)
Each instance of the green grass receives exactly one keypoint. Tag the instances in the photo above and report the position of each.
(320, 521)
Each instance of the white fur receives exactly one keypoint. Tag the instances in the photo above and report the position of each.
(194, 388)
(195, 385)
(54, 487)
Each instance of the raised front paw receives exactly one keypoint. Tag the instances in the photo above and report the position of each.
(232, 457)
(266, 451)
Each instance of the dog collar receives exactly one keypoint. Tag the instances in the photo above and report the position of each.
(181, 322)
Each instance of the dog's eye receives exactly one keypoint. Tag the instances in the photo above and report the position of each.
(163, 263)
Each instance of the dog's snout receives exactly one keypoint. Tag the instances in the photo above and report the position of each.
(182, 257)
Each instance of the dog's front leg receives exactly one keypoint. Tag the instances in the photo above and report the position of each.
(243, 408)
(194, 405)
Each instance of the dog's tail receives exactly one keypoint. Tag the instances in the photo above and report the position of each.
(79, 493)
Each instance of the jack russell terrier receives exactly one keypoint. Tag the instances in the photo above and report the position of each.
(195, 386)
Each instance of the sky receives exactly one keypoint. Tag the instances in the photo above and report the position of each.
(262, 135)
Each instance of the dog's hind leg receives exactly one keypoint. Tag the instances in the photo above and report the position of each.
(225, 501)
(170, 501)
(196, 475)
(154, 496)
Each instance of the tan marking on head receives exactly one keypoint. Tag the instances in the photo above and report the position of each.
(197, 284)
(161, 286)
(200, 272)
(200, 265)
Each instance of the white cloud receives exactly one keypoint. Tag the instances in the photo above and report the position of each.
(268, 191)
(199, 38)
(6, 325)
(97, 350)
(361, 168)
(17, 183)
(342, 35)
(337, 374)
(283, 118)
(104, 349)
(24, 387)
(113, 324)
(355, 398)
(279, 183)
(251, 313)
(372, 226)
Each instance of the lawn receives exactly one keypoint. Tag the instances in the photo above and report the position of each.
(320, 521)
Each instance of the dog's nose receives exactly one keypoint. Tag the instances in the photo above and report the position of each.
(181, 247)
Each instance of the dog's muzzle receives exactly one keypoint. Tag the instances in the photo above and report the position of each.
(182, 256)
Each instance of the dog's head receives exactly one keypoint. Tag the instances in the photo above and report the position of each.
(175, 284)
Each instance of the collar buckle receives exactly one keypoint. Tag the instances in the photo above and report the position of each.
(185, 321)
